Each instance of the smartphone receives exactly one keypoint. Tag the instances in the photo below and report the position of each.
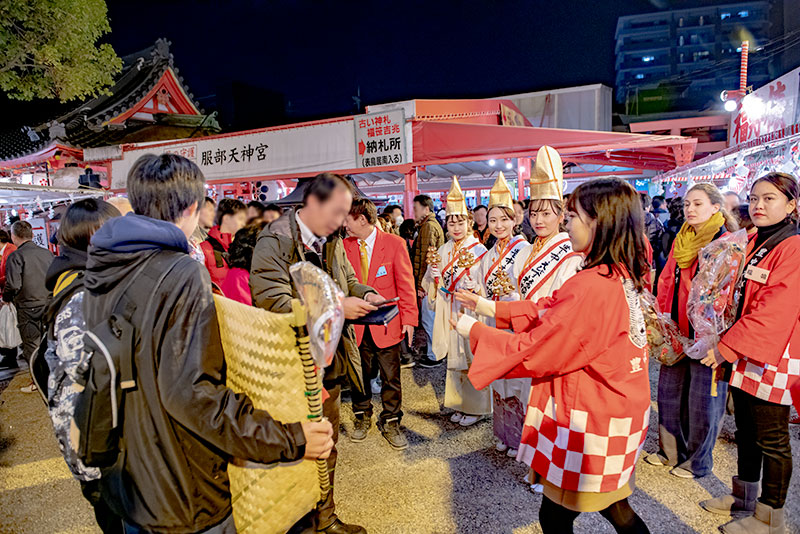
(387, 301)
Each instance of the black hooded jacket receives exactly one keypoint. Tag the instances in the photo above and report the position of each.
(182, 424)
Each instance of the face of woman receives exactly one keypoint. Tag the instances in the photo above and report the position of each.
(768, 205)
(519, 214)
(545, 221)
(697, 208)
(457, 228)
(500, 224)
(581, 229)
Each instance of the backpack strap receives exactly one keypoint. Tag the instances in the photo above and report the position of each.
(219, 251)
(126, 306)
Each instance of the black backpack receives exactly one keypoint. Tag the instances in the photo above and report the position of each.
(220, 254)
(111, 370)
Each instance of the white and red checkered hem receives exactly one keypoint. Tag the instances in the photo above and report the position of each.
(768, 382)
(588, 453)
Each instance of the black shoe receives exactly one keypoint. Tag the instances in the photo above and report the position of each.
(343, 528)
(427, 363)
(8, 364)
(391, 431)
(406, 361)
(362, 426)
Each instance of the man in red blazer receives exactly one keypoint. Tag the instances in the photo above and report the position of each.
(381, 260)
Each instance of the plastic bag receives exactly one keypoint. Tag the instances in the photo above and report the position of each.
(324, 309)
(664, 339)
(713, 301)
(9, 332)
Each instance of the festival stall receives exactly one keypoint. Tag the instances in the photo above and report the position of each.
(764, 137)
(409, 147)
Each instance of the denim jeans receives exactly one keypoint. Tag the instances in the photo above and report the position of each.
(426, 315)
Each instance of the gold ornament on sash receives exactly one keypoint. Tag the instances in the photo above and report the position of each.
(456, 201)
(434, 258)
(547, 176)
(502, 285)
(500, 194)
(466, 259)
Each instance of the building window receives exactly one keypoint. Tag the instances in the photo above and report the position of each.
(744, 13)
(648, 59)
(724, 16)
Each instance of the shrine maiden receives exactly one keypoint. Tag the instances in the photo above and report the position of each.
(585, 349)
(457, 268)
(544, 265)
(763, 348)
(494, 281)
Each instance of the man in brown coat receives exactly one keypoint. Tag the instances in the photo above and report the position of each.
(428, 234)
(300, 235)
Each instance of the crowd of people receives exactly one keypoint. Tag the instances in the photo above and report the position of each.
(533, 307)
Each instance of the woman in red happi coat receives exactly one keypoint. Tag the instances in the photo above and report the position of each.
(585, 349)
(763, 350)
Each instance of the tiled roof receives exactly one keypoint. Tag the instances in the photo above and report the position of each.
(83, 126)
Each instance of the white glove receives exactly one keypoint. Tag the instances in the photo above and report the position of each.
(435, 271)
(470, 283)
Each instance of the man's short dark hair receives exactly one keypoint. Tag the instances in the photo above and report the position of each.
(256, 205)
(82, 219)
(274, 207)
(5, 237)
(390, 208)
(23, 230)
(163, 186)
(211, 201)
(425, 201)
(228, 206)
(480, 207)
(323, 185)
(657, 203)
(365, 207)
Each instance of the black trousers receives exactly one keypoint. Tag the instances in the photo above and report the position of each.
(29, 322)
(108, 521)
(388, 363)
(556, 519)
(762, 439)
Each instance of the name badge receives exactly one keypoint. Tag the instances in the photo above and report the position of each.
(381, 271)
(756, 274)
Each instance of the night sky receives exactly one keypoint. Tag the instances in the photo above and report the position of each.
(261, 62)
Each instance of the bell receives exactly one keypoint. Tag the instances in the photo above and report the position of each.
(466, 259)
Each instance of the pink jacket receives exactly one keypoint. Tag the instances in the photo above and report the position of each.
(236, 286)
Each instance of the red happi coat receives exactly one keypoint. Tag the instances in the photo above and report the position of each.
(589, 407)
(764, 344)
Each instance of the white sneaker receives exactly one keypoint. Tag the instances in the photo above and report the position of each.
(500, 446)
(512, 453)
(31, 388)
(537, 488)
(469, 420)
(456, 417)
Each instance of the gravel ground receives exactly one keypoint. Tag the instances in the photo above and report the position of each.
(450, 480)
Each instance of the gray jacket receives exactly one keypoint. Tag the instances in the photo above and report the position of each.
(278, 247)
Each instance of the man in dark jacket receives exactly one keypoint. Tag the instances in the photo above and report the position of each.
(26, 269)
(429, 234)
(181, 424)
(300, 235)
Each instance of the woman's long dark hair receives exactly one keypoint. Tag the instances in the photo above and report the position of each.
(619, 239)
(240, 253)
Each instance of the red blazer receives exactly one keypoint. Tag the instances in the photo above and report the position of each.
(390, 254)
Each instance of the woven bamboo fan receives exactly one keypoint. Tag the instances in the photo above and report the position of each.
(268, 358)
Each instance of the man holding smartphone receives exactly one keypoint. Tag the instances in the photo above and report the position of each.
(381, 260)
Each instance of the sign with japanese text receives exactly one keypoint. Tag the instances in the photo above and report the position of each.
(39, 232)
(380, 139)
(770, 108)
(511, 117)
(317, 147)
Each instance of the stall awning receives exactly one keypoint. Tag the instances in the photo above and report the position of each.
(439, 142)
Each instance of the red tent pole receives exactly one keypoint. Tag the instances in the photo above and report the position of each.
(411, 190)
(523, 176)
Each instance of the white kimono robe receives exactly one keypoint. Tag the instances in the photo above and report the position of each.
(554, 263)
(459, 395)
(510, 396)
